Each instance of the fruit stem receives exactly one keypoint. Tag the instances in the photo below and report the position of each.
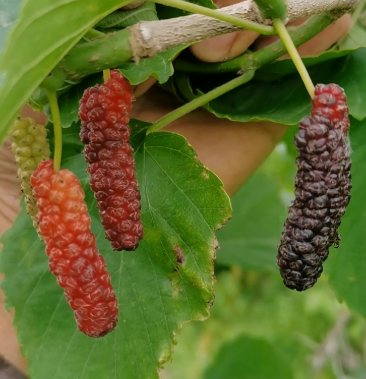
(57, 130)
(294, 54)
(201, 100)
(106, 75)
(214, 13)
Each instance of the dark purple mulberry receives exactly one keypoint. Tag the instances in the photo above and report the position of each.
(104, 112)
(322, 189)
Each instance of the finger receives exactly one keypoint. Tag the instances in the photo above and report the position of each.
(40, 117)
(225, 47)
(322, 42)
(140, 89)
(232, 150)
(9, 209)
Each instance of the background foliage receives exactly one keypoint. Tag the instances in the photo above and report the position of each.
(257, 329)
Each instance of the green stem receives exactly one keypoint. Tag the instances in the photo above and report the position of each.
(294, 54)
(106, 75)
(200, 101)
(259, 58)
(104, 52)
(57, 130)
(214, 13)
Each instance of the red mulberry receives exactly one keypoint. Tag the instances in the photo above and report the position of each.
(322, 189)
(330, 102)
(104, 113)
(70, 245)
(30, 147)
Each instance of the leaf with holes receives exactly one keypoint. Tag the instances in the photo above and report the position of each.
(167, 281)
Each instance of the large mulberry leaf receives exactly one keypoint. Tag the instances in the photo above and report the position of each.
(9, 13)
(166, 282)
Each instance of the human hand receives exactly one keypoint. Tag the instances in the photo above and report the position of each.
(232, 150)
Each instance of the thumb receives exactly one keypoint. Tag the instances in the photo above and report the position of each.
(224, 47)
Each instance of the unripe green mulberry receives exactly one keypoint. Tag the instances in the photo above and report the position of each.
(30, 147)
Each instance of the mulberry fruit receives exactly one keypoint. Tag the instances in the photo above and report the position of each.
(30, 147)
(104, 113)
(322, 189)
(330, 102)
(70, 245)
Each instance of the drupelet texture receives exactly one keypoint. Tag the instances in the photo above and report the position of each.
(30, 146)
(70, 245)
(104, 113)
(322, 189)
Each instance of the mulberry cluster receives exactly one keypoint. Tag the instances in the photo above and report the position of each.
(70, 245)
(322, 189)
(30, 147)
(104, 113)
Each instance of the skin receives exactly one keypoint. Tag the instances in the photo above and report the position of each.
(232, 150)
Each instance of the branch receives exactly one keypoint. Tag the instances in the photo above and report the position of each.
(254, 61)
(151, 38)
(147, 39)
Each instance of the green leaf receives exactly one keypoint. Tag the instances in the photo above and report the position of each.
(249, 358)
(286, 100)
(167, 281)
(123, 18)
(347, 264)
(25, 64)
(355, 39)
(9, 13)
(160, 67)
